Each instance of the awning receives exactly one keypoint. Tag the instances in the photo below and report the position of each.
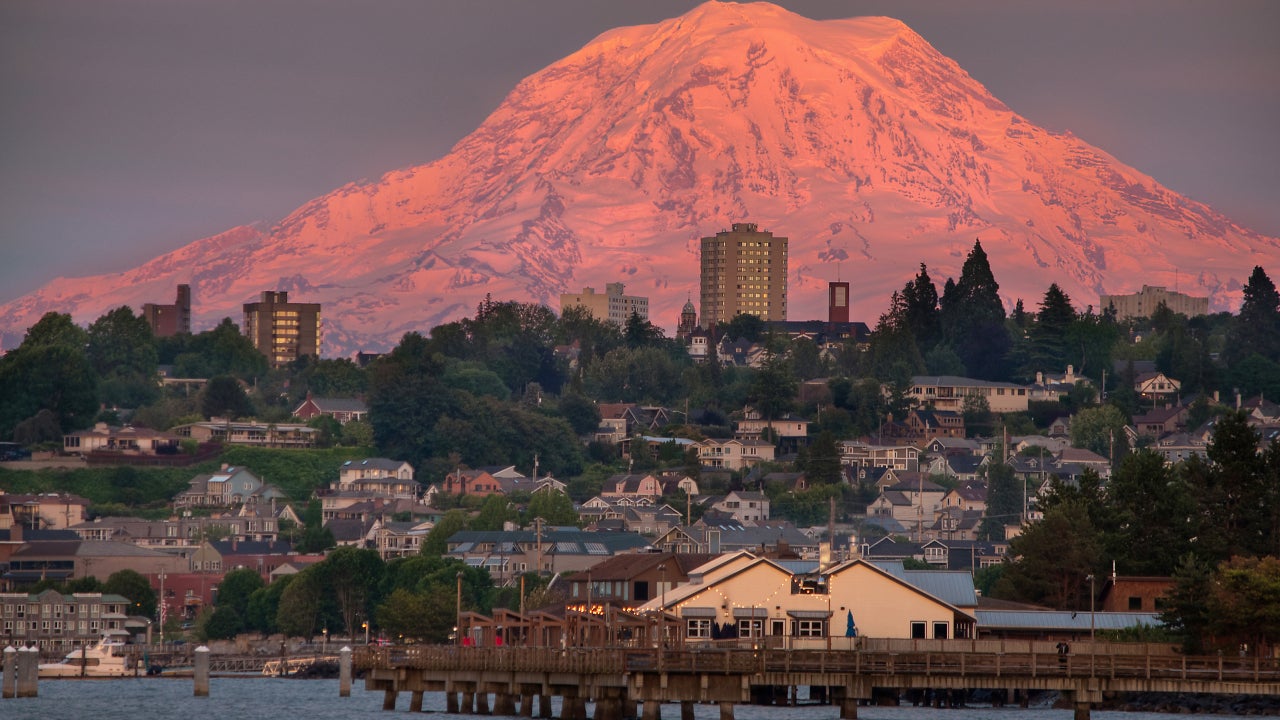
(750, 612)
(698, 612)
(809, 614)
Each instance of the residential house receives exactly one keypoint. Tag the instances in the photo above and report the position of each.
(963, 553)
(646, 486)
(961, 468)
(862, 454)
(506, 553)
(921, 426)
(788, 430)
(953, 523)
(344, 410)
(1052, 387)
(229, 487)
(734, 454)
(378, 478)
(1158, 422)
(1176, 447)
(948, 392)
(127, 440)
(471, 482)
(1084, 458)
(720, 535)
(1156, 386)
(184, 532)
(223, 556)
(946, 445)
(910, 503)
(743, 506)
(971, 496)
(255, 434)
(46, 511)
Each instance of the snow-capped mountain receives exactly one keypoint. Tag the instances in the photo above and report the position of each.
(854, 138)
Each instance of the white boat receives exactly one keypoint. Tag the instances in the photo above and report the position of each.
(104, 659)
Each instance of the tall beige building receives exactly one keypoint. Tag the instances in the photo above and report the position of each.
(1145, 302)
(744, 270)
(613, 306)
(283, 331)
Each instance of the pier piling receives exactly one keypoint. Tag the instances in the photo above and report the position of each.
(10, 672)
(201, 673)
(28, 672)
(344, 672)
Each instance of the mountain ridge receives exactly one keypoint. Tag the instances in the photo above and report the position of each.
(855, 138)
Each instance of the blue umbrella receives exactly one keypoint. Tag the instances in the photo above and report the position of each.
(850, 630)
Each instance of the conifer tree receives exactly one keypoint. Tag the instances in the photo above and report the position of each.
(973, 318)
(1257, 328)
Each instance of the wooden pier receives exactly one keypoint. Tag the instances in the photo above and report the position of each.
(620, 680)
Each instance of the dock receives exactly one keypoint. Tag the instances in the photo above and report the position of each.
(633, 682)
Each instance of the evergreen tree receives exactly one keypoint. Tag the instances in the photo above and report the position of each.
(920, 299)
(1048, 335)
(1257, 328)
(1235, 516)
(972, 317)
(1187, 605)
(893, 346)
(1150, 516)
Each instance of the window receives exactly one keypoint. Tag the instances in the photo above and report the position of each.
(750, 628)
(810, 628)
(917, 630)
(939, 631)
(1135, 603)
(698, 628)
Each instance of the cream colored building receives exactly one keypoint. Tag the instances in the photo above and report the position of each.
(948, 392)
(1145, 302)
(734, 454)
(762, 599)
(613, 306)
(744, 271)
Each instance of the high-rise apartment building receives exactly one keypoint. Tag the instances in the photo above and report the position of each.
(170, 320)
(744, 270)
(283, 331)
(613, 306)
(1145, 303)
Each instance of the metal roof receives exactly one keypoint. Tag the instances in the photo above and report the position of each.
(954, 587)
(1064, 620)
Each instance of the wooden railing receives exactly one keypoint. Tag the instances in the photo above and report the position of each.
(954, 663)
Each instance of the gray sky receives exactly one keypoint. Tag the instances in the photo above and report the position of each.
(132, 127)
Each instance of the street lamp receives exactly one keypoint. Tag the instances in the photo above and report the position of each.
(324, 647)
(365, 625)
(1092, 624)
(459, 610)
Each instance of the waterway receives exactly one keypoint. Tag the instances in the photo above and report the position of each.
(273, 699)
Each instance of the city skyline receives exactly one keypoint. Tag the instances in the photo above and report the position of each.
(152, 126)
